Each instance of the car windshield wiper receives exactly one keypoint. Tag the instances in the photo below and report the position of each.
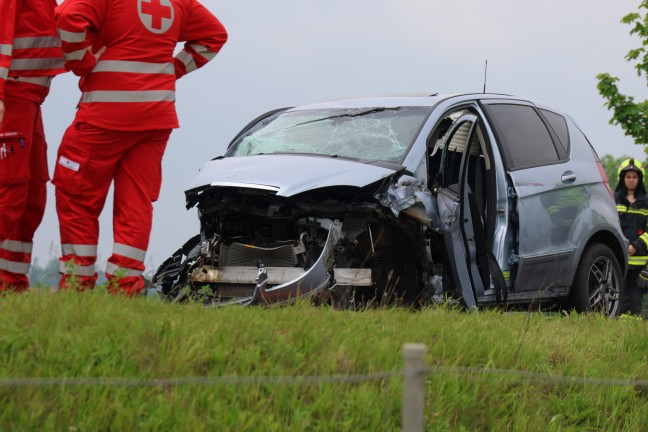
(359, 114)
(324, 155)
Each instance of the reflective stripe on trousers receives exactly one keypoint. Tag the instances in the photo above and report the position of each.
(129, 252)
(130, 267)
(79, 250)
(121, 272)
(14, 266)
(70, 268)
(17, 246)
(78, 259)
(15, 256)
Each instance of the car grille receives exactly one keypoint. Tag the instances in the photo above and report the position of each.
(240, 254)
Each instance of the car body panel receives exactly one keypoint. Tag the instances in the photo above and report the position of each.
(287, 174)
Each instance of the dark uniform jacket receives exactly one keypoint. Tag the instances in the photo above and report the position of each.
(634, 220)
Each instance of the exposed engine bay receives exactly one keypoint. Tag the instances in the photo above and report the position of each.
(340, 246)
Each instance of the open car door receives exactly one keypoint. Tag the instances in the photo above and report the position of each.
(461, 200)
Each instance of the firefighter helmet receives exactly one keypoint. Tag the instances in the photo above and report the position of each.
(631, 165)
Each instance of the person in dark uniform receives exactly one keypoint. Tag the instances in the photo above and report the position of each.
(632, 206)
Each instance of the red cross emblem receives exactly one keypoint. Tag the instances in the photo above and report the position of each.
(156, 15)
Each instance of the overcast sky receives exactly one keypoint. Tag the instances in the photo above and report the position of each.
(289, 52)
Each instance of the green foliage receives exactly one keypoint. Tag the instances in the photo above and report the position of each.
(630, 115)
(93, 334)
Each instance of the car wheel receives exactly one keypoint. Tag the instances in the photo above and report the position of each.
(598, 282)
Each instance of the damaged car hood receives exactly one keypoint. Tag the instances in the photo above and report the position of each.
(289, 174)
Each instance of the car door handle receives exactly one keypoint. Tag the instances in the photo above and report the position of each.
(568, 177)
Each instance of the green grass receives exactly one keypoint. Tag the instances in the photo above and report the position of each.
(92, 334)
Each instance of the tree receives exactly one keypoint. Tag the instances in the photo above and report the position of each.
(47, 276)
(630, 115)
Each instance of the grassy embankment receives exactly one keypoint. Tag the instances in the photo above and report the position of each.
(70, 334)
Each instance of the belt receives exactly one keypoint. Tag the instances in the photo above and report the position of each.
(43, 81)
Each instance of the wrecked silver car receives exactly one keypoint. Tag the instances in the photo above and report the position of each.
(478, 198)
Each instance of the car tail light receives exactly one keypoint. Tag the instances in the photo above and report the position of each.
(604, 178)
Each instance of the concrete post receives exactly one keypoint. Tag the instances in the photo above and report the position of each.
(413, 387)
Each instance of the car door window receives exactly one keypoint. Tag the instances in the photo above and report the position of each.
(523, 135)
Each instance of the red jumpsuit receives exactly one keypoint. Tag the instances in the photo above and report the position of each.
(124, 118)
(30, 55)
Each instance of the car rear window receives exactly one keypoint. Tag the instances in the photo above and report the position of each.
(523, 135)
(559, 125)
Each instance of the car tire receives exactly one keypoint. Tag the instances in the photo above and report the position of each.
(598, 282)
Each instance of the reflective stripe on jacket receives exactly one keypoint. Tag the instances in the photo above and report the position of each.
(634, 223)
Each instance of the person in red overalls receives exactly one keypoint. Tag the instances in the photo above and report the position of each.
(30, 55)
(123, 50)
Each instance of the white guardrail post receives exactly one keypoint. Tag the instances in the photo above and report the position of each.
(413, 387)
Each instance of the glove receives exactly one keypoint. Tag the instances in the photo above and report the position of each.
(642, 279)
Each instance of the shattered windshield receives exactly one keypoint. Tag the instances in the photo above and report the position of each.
(362, 133)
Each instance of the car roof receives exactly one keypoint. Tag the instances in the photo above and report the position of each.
(418, 100)
(396, 100)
